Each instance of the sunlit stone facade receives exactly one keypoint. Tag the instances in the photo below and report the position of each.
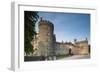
(45, 44)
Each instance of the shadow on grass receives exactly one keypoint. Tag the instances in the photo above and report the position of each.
(43, 58)
(34, 58)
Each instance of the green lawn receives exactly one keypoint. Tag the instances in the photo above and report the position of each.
(62, 56)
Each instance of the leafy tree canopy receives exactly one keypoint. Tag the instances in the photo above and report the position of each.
(30, 19)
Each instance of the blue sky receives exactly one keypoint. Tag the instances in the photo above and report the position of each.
(68, 26)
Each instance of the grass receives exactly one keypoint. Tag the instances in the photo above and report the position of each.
(42, 58)
(62, 56)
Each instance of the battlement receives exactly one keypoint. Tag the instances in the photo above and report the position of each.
(46, 22)
(83, 41)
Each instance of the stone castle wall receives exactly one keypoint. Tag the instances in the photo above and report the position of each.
(44, 43)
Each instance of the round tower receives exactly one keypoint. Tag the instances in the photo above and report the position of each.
(46, 38)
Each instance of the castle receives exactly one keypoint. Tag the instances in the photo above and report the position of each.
(45, 44)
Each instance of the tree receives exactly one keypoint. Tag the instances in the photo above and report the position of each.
(30, 19)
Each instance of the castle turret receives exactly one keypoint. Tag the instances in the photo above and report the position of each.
(46, 37)
(82, 47)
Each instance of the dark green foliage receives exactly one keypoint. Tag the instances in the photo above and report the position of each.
(30, 18)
